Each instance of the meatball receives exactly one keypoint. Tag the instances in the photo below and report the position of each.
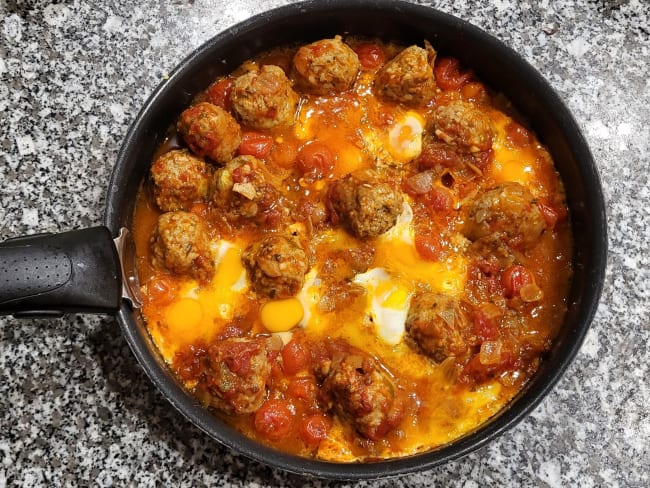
(366, 206)
(508, 210)
(326, 67)
(180, 180)
(210, 131)
(434, 325)
(408, 77)
(463, 125)
(241, 191)
(180, 244)
(263, 99)
(356, 388)
(276, 266)
(236, 372)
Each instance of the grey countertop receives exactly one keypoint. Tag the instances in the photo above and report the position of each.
(76, 408)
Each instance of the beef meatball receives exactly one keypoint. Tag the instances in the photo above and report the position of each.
(276, 266)
(180, 180)
(326, 67)
(508, 210)
(366, 206)
(434, 325)
(356, 388)
(263, 99)
(463, 125)
(210, 131)
(408, 77)
(180, 244)
(236, 373)
(241, 191)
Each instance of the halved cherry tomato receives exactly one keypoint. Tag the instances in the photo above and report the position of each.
(255, 144)
(315, 157)
(518, 135)
(371, 56)
(161, 290)
(274, 419)
(428, 246)
(449, 75)
(294, 358)
(218, 93)
(303, 389)
(314, 428)
(513, 278)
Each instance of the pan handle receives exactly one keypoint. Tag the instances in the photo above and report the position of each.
(52, 274)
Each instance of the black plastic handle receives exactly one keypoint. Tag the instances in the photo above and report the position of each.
(53, 274)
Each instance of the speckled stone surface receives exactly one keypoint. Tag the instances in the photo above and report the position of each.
(75, 407)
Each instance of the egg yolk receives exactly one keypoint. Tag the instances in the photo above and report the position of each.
(183, 318)
(281, 315)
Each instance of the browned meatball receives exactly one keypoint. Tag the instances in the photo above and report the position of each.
(236, 373)
(408, 77)
(463, 125)
(180, 244)
(276, 266)
(507, 210)
(434, 325)
(241, 192)
(210, 131)
(358, 390)
(366, 206)
(263, 98)
(180, 180)
(326, 67)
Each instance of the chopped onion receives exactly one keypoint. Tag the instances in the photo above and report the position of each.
(490, 352)
(448, 316)
(531, 293)
(420, 183)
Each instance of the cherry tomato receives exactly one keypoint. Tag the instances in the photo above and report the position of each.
(294, 358)
(219, 93)
(550, 214)
(284, 155)
(315, 157)
(255, 144)
(438, 199)
(303, 389)
(161, 290)
(474, 92)
(314, 428)
(371, 56)
(428, 246)
(513, 278)
(274, 420)
(449, 75)
(518, 135)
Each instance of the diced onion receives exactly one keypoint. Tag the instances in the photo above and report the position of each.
(490, 352)
(531, 293)
(420, 183)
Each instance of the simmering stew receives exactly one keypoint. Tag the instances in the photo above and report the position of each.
(352, 250)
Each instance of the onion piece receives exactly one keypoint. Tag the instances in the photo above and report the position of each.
(420, 183)
(531, 293)
(490, 353)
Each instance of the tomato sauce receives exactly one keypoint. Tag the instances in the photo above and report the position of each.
(512, 311)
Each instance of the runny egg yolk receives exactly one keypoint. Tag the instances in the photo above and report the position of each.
(282, 315)
(510, 163)
(183, 318)
(405, 137)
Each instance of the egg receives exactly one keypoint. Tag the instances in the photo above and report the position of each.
(388, 303)
(405, 137)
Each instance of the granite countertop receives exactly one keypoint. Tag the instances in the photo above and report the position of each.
(75, 406)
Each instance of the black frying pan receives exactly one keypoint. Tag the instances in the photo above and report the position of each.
(93, 270)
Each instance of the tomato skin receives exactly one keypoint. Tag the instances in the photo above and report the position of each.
(483, 327)
(315, 157)
(428, 246)
(274, 420)
(549, 214)
(294, 358)
(314, 428)
(449, 75)
(371, 55)
(438, 199)
(303, 390)
(219, 93)
(513, 279)
(255, 144)
(161, 290)
(518, 135)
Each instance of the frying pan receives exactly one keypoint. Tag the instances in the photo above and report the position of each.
(92, 270)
